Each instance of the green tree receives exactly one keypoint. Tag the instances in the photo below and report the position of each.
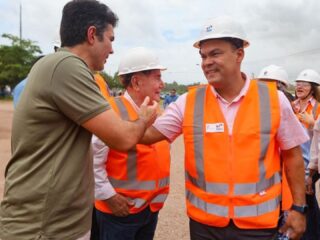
(112, 81)
(17, 59)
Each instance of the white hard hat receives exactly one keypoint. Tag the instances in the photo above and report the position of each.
(276, 73)
(222, 27)
(309, 75)
(139, 59)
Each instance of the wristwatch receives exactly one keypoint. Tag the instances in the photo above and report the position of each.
(301, 209)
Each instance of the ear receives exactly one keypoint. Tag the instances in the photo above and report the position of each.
(91, 34)
(135, 82)
(240, 55)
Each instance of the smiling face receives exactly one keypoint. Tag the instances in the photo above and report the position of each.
(303, 89)
(149, 84)
(220, 61)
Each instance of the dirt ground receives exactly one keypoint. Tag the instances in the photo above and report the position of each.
(173, 222)
(6, 112)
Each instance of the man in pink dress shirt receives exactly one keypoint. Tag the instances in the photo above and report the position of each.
(221, 47)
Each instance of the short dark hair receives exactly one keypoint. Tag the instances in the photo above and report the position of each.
(126, 79)
(235, 42)
(79, 15)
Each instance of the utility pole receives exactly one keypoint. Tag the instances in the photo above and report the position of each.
(20, 23)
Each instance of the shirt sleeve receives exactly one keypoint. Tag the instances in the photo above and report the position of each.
(314, 150)
(290, 133)
(103, 188)
(170, 122)
(75, 92)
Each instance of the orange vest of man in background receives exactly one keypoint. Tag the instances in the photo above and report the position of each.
(233, 176)
(103, 86)
(142, 174)
(286, 193)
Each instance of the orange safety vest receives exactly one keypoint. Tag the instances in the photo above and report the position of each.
(287, 200)
(233, 177)
(315, 110)
(103, 86)
(142, 174)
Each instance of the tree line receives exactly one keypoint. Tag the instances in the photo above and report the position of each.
(17, 58)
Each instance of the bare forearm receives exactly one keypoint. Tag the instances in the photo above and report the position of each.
(115, 132)
(127, 135)
(294, 170)
(119, 134)
(152, 135)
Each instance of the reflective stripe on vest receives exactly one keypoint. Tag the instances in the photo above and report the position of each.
(164, 182)
(239, 211)
(207, 207)
(139, 202)
(258, 209)
(254, 188)
(215, 188)
(160, 198)
(131, 183)
(239, 188)
(265, 124)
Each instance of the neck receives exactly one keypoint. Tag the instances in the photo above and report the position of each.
(135, 97)
(304, 101)
(231, 88)
(82, 53)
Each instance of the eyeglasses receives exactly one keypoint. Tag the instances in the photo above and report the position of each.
(303, 84)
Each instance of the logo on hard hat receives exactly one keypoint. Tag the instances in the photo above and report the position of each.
(209, 28)
(305, 74)
(265, 73)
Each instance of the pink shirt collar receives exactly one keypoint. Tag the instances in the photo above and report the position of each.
(242, 93)
(311, 101)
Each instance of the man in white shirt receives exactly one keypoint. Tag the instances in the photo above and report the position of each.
(131, 187)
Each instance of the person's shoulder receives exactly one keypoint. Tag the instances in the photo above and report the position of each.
(66, 57)
(66, 62)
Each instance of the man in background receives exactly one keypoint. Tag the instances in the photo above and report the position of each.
(131, 187)
(170, 98)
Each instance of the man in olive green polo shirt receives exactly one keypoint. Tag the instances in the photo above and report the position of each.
(49, 179)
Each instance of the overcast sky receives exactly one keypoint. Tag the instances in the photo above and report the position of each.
(286, 32)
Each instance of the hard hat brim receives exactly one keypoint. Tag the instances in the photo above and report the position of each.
(159, 67)
(216, 36)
